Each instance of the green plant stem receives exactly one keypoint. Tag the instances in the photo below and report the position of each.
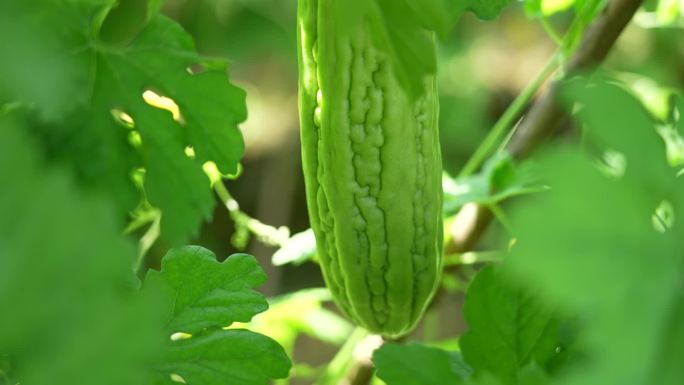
(579, 25)
(223, 194)
(501, 216)
(551, 31)
(471, 258)
(267, 234)
(144, 245)
(509, 118)
(146, 217)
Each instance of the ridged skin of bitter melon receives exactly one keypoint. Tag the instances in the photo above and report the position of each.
(373, 172)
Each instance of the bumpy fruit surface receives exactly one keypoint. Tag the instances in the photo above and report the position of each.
(373, 171)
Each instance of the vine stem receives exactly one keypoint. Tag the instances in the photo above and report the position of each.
(510, 117)
(144, 245)
(267, 234)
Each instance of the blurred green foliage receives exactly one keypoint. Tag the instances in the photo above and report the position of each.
(588, 249)
(70, 309)
(415, 364)
(599, 255)
(590, 293)
(509, 328)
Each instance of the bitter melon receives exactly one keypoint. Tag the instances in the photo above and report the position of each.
(372, 166)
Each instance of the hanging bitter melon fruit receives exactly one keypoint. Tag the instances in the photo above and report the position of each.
(372, 165)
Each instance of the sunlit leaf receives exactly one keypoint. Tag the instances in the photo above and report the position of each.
(204, 297)
(207, 293)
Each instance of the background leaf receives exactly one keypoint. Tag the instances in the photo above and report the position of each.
(226, 357)
(70, 308)
(487, 9)
(508, 328)
(598, 255)
(415, 364)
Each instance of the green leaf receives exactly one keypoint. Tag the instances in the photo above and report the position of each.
(406, 40)
(124, 21)
(226, 357)
(533, 374)
(42, 62)
(547, 8)
(487, 9)
(667, 368)
(210, 109)
(590, 247)
(435, 15)
(597, 98)
(124, 106)
(508, 328)
(407, 28)
(207, 293)
(71, 313)
(673, 134)
(205, 296)
(415, 364)
(153, 7)
(91, 325)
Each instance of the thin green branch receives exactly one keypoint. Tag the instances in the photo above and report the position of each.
(244, 223)
(472, 258)
(509, 118)
(144, 245)
(551, 30)
(504, 128)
